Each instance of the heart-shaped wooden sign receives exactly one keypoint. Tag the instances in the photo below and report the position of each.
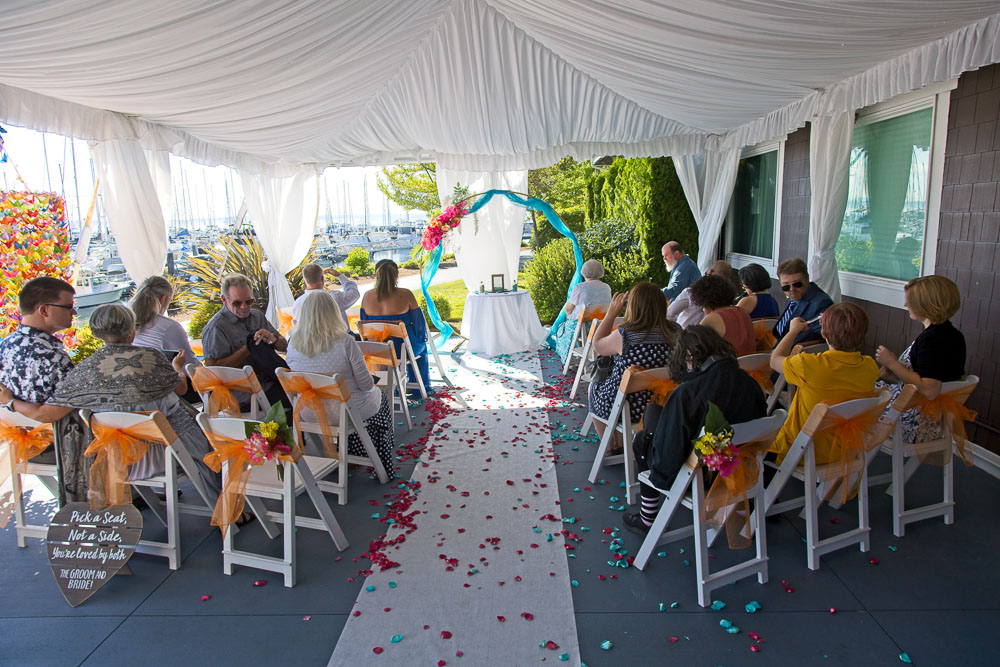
(87, 547)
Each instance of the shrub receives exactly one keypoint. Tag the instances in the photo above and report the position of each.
(613, 243)
(410, 264)
(86, 344)
(201, 317)
(448, 257)
(547, 277)
(442, 304)
(359, 263)
(647, 192)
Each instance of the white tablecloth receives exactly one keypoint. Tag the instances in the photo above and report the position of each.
(501, 323)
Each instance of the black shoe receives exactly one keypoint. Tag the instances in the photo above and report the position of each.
(633, 521)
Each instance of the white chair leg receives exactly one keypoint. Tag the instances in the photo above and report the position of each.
(759, 528)
(865, 542)
(898, 489)
(288, 524)
(812, 510)
(437, 361)
(949, 490)
(587, 423)
(15, 480)
(173, 516)
(602, 451)
(663, 517)
(700, 541)
(412, 362)
(584, 360)
(322, 507)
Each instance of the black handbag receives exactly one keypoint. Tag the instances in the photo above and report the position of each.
(599, 369)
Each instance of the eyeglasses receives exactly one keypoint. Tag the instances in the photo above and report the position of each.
(70, 308)
(245, 302)
(797, 285)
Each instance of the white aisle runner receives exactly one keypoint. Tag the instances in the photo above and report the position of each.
(484, 578)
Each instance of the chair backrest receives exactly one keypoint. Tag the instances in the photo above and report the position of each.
(815, 348)
(284, 321)
(636, 379)
(763, 329)
(381, 330)
(593, 313)
(228, 427)
(154, 421)
(765, 322)
(379, 357)
(759, 429)
(17, 419)
(758, 366)
(845, 410)
(226, 374)
(333, 386)
(353, 317)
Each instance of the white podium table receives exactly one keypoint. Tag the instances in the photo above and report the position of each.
(501, 323)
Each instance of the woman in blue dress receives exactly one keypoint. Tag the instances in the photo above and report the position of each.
(389, 302)
(758, 302)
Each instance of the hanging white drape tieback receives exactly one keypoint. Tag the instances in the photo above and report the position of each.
(824, 256)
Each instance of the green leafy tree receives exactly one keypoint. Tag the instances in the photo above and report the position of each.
(564, 186)
(412, 186)
(547, 277)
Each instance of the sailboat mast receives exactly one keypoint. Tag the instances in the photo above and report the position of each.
(76, 183)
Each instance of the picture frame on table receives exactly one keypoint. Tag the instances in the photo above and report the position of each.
(498, 282)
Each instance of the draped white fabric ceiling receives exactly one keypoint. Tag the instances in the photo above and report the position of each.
(472, 84)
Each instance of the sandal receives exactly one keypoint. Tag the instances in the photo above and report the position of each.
(244, 519)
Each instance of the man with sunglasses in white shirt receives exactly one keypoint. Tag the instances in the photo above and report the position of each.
(805, 300)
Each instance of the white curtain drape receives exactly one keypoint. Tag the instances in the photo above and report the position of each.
(133, 207)
(159, 170)
(496, 248)
(829, 169)
(708, 181)
(283, 212)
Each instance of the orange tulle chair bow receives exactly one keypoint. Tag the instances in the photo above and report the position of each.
(855, 438)
(23, 444)
(661, 388)
(310, 397)
(765, 338)
(229, 507)
(948, 408)
(115, 449)
(727, 504)
(284, 321)
(220, 397)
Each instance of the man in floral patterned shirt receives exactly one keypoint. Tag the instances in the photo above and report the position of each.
(32, 359)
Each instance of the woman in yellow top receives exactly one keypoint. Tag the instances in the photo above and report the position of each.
(840, 374)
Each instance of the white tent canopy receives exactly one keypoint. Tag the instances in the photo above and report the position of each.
(482, 85)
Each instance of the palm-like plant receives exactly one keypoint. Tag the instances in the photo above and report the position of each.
(241, 253)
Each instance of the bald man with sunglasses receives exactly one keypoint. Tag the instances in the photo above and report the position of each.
(805, 300)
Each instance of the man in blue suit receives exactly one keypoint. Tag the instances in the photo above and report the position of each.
(683, 270)
(805, 300)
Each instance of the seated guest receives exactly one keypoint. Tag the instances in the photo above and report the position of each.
(122, 377)
(805, 300)
(152, 327)
(715, 295)
(756, 283)
(312, 275)
(705, 369)
(725, 270)
(239, 334)
(643, 340)
(320, 343)
(591, 292)
(683, 270)
(33, 362)
(389, 302)
(840, 374)
(937, 355)
(686, 313)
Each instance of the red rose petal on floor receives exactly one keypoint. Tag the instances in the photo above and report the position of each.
(387, 609)
(441, 663)
(260, 582)
(754, 648)
(527, 616)
(833, 610)
(551, 645)
(377, 650)
(206, 598)
(445, 634)
(873, 561)
(357, 613)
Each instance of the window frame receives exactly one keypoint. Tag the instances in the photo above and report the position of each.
(737, 259)
(937, 97)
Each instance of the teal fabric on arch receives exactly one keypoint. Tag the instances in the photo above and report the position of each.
(532, 203)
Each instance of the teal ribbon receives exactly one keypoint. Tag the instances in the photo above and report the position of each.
(531, 203)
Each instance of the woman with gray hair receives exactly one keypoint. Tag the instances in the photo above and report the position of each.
(122, 377)
(321, 343)
(589, 293)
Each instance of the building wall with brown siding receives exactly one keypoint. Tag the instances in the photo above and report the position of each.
(968, 239)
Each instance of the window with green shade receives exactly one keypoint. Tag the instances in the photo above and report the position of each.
(753, 205)
(883, 229)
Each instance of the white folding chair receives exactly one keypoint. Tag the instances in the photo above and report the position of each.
(381, 331)
(690, 478)
(758, 366)
(589, 319)
(812, 474)
(383, 364)
(234, 379)
(620, 421)
(763, 328)
(299, 476)
(334, 397)
(158, 430)
(578, 346)
(46, 473)
(907, 457)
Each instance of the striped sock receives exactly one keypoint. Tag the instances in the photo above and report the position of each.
(648, 509)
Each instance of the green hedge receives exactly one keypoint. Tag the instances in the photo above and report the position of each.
(442, 303)
(613, 243)
(359, 263)
(645, 191)
(547, 277)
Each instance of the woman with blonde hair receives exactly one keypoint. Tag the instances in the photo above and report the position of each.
(153, 328)
(936, 356)
(321, 343)
(644, 339)
(389, 302)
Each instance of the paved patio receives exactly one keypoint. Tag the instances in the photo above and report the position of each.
(932, 594)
